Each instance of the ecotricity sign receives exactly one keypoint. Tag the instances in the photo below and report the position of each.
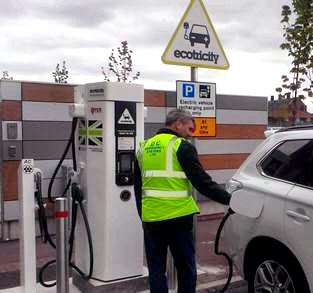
(195, 42)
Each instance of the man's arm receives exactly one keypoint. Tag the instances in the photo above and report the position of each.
(188, 159)
(138, 187)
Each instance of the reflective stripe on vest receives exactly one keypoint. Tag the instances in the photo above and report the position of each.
(169, 174)
(165, 193)
(169, 154)
(158, 173)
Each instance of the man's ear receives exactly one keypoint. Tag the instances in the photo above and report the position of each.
(178, 123)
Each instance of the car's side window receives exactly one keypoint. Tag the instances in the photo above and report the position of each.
(291, 161)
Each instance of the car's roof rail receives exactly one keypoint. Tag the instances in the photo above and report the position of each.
(296, 127)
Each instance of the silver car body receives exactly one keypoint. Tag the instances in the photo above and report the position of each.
(286, 215)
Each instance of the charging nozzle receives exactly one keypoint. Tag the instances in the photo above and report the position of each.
(233, 185)
(77, 110)
(231, 211)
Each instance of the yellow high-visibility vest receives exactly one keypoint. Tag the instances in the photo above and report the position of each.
(166, 191)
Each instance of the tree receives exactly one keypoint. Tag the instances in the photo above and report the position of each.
(60, 76)
(121, 65)
(297, 24)
(6, 76)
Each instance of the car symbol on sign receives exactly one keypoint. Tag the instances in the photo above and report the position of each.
(205, 91)
(198, 34)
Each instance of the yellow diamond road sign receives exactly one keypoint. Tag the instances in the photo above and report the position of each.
(195, 42)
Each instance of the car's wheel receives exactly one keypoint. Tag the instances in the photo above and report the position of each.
(276, 273)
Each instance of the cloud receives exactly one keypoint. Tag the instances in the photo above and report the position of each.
(36, 35)
(78, 13)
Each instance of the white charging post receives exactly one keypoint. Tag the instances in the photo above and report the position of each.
(107, 140)
(27, 225)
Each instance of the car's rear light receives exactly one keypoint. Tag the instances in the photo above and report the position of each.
(233, 185)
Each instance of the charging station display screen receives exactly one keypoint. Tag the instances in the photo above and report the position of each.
(125, 163)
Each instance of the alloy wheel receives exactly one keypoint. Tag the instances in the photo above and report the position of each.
(272, 277)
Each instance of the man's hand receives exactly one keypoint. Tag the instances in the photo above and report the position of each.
(231, 211)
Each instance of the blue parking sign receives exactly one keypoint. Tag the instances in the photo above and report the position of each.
(188, 90)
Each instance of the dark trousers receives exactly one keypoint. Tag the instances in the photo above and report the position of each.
(177, 235)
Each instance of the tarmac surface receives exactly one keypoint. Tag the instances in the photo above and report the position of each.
(212, 269)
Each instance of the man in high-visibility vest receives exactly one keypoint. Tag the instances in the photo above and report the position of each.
(167, 166)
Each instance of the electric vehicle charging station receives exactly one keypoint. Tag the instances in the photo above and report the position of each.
(110, 128)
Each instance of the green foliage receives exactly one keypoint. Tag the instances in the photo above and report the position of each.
(6, 76)
(120, 65)
(60, 75)
(297, 24)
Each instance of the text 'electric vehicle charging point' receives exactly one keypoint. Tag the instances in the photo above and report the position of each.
(109, 131)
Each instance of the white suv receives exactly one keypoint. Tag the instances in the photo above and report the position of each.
(270, 238)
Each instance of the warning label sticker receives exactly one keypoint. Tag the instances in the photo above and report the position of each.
(28, 166)
(126, 118)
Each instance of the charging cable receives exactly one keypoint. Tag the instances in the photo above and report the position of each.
(77, 202)
(217, 249)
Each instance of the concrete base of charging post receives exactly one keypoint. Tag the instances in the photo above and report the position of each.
(129, 285)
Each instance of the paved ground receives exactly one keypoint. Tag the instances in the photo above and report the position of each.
(210, 266)
(238, 287)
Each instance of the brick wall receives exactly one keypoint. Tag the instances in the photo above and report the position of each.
(43, 127)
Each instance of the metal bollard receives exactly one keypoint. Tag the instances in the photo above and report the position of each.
(62, 265)
(67, 171)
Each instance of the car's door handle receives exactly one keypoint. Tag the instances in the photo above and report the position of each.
(296, 215)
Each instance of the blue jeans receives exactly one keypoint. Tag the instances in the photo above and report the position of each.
(177, 235)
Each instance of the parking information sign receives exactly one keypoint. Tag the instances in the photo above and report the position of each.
(199, 99)
(195, 42)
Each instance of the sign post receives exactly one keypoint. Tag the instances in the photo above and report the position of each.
(195, 44)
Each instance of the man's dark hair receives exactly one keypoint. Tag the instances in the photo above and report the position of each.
(176, 115)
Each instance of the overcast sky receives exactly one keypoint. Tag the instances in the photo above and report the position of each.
(35, 35)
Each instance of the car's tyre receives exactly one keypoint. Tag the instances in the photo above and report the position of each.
(276, 272)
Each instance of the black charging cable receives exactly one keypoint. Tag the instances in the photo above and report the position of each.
(77, 202)
(38, 195)
(70, 142)
(218, 252)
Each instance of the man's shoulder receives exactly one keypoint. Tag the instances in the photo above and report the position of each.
(186, 146)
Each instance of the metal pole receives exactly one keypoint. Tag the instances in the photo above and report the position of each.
(193, 74)
(194, 77)
(171, 271)
(67, 171)
(62, 265)
(27, 226)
